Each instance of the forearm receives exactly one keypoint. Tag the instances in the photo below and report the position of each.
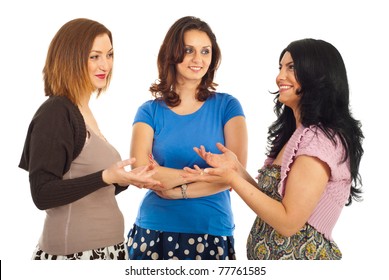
(200, 189)
(169, 177)
(245, 175)
(48, 191)
(268, 209)
(193, 190)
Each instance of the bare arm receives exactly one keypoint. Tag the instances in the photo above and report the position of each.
(235, 134)
(141, 149)
(306, 182)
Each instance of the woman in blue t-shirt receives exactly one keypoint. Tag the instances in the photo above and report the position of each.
(187, 221)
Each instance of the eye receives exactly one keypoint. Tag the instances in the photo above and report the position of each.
(94, 57)
(188, 50)
(205, 51)
(291, 67)
(110, 55)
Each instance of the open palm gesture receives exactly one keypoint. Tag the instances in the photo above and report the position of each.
(225, 160)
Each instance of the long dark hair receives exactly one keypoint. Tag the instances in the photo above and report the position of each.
(172, 52)
(324, 102)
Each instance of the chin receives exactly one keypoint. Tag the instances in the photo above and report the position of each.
(100, 86)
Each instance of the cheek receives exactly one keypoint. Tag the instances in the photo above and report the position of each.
(178, 68)
(110, 63)
(91, 67)
(206, 64)
(293, 79)
(208, 61)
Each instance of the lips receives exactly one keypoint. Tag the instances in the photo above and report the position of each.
(195, 68)
(284, 87)
(101, 76)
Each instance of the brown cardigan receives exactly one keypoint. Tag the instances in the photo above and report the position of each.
(55, 137)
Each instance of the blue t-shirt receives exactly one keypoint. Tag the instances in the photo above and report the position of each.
(174, 138)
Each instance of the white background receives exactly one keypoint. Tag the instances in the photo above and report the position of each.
(251, 35)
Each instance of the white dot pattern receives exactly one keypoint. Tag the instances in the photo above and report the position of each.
(154, 245)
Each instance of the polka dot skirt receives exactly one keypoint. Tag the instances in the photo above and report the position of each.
(145, 244)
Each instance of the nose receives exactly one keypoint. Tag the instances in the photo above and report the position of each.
(104, 64)
(196, 57)
(281, 75)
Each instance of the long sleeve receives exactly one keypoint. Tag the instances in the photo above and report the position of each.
(55, 137)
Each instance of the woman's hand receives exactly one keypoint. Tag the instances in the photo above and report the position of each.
(140, 177)
(226, 166)
(220, 176)
(226, 160)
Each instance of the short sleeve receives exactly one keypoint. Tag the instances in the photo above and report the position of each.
(311, 141)
(145, 113)
(315, 143)
(233, 108)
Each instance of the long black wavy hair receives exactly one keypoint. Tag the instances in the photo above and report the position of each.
(324, 102)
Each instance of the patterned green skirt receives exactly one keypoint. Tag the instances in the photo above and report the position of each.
(264, 243)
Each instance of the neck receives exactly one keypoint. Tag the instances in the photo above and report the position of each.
(84, 102)
(296, 114)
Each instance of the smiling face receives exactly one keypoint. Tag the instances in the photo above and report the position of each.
(287, 83)
(100, 61)
(198, 56)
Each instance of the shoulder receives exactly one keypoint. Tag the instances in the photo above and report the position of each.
(312, 141)
(221, 96)
(58, 106)
(313, 136)
(58, 102)
(150, 108)
(60, 117)
(149, 111)
(152, 104)
(59, 111)
(224, 100)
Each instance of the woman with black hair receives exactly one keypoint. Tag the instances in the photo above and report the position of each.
(312, 168)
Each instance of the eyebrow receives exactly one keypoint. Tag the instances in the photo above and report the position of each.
(207, 46)
(289, 63)
(101, 51)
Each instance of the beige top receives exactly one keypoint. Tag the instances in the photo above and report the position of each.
(92, 222)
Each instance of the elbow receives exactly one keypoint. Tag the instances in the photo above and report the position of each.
(39, 204)
(289, 230)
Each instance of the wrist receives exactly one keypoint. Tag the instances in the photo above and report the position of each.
(184, 188)
(104, 177)
(240, 169)
(235, 181)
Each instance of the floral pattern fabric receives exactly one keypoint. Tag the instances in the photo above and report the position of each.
(264, 243)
